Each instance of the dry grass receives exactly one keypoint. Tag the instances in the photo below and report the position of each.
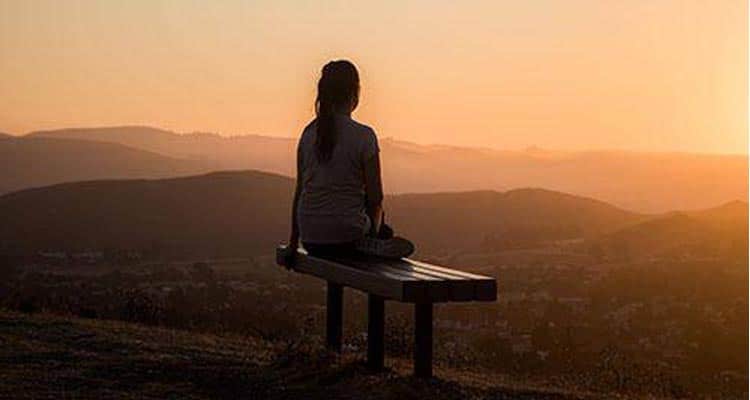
(45, 356)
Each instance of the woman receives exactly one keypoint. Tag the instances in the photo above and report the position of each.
(337, 208)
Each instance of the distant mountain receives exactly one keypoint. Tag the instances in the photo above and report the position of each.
(647, 182)
(247, 212)
(38, 161)
(239, 152)
(716, 232)
(487, 220)
(728, 213)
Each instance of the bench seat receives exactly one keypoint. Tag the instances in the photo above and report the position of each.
(403, 280)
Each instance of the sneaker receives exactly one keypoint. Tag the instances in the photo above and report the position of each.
(395, 247)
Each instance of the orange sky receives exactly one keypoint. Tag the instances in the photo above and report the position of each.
(567, 74)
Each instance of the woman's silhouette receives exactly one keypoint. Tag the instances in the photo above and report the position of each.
(337, 206)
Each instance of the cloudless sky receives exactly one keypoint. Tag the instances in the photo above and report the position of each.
(568, 74)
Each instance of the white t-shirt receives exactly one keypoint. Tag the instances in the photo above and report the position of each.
(331, 206)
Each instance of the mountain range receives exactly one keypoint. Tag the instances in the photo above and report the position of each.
(243, 213)
(38, 161)
(645, 182)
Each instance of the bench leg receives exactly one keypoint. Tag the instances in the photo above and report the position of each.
(375, 332)
(334, 316)
(423, 340)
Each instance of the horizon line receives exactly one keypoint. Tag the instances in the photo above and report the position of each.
(527, 148)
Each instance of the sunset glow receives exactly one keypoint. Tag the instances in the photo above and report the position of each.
(581, 74)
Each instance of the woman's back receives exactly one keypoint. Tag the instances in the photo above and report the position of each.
(337, 206)
(332, 201)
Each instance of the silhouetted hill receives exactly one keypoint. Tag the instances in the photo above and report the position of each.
(730, 212)
(716, 232)
(648, 182)
(243, 213)
(220, 213)
(487, 220)
(39, 161)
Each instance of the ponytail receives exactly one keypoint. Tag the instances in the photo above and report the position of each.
(338, 88)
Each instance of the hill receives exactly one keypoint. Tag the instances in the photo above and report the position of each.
(247, 212)
(487, 220)
(238, 213)
(725, 213)
(717, 232)
(646, 182)
(39, 161)
(53, 357)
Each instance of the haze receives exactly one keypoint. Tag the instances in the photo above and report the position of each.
(581, 74)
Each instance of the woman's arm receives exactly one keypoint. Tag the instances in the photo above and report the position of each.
(291, 250)
(294, 235)
(373, 192)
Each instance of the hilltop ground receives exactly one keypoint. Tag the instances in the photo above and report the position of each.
(44, 356)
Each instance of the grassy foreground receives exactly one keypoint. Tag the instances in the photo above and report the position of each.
(46, 356)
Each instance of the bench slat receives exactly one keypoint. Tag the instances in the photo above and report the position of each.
(457, 289)
(348, 276)
(437, 288)
(403, 280)
(462, 289)
(380, 266)
(419, 287)
(485, 288)
(457, 273)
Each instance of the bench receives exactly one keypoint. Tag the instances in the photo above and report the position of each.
(403, 280)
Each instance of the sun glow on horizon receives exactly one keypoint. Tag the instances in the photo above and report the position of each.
(570, 75)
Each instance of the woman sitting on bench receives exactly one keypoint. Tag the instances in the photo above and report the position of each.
(337, 208)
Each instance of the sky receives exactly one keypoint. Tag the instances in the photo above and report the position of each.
(653, 75)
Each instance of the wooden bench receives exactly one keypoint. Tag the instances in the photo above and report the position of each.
(401, 280)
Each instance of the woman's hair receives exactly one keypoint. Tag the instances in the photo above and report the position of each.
(338, 90)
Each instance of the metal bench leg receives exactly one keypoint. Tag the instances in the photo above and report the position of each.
(375, 332)
(423, 340)
(334, 316)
